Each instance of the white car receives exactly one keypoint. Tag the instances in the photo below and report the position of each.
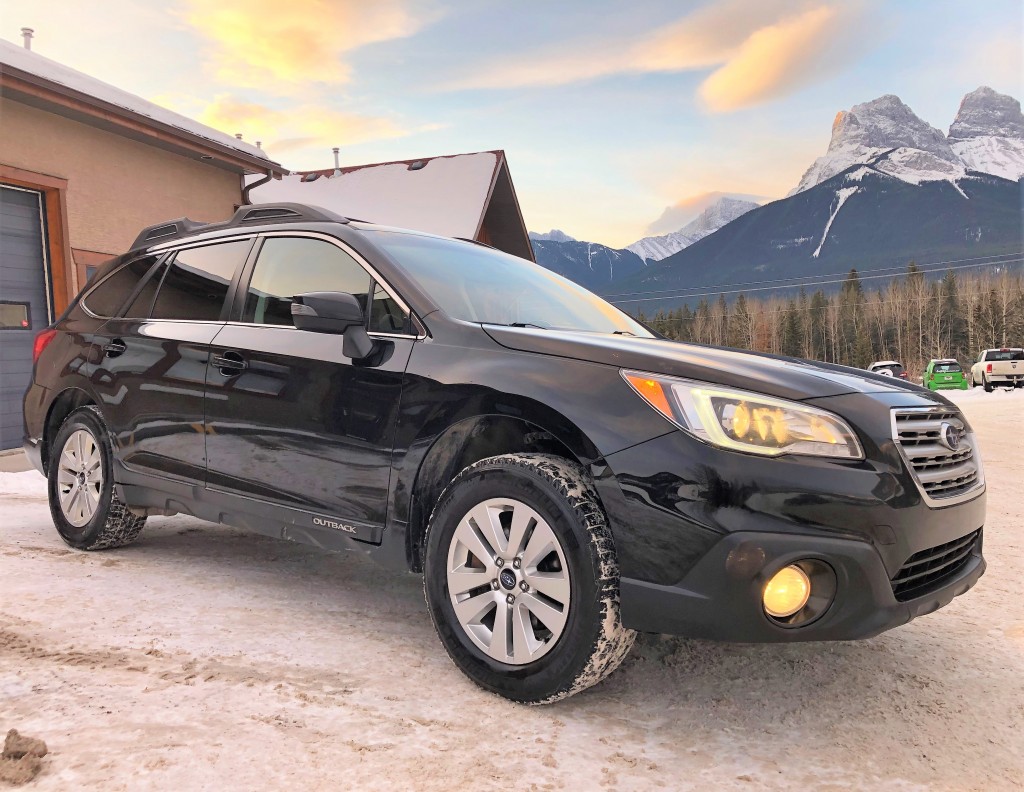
(998, 368)
(888, 368)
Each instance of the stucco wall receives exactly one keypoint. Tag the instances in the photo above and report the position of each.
(115, 185)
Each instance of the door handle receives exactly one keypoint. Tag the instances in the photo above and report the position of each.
(230, 364)
(115, 348)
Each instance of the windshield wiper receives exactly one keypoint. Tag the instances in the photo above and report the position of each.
(525, 324)
(623, 332)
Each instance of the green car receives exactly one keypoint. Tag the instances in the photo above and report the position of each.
(944, 374)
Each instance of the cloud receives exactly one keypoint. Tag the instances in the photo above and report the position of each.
(777, 59)
(682, 212)
(305, 126)
(268, 45)
(775, 45)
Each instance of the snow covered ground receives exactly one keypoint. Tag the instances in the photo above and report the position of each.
(205, 658)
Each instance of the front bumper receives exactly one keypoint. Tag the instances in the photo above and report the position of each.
(720, 598)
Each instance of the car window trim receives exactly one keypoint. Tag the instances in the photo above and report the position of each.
(375, 278)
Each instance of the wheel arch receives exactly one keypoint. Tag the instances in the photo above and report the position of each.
(65, 403)
(477, 437)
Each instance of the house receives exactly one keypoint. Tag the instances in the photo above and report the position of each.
(84, 166)
(468, 196)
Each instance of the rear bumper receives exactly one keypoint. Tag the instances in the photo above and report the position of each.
(720, 598)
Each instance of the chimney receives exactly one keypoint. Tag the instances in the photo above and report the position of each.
(337, 162)
(26, 35)
(259, 145)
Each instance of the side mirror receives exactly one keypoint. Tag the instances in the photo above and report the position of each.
(334, 312)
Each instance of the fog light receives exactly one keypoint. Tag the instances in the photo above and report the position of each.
(787, 592)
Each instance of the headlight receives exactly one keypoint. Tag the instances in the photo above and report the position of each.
(746, 421)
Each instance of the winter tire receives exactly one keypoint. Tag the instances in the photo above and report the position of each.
(986, 384)
(84, 506)
(521, 578)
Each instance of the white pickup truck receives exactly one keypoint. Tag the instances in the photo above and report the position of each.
(998, 368)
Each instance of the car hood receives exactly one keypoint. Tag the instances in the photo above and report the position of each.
(786, 378)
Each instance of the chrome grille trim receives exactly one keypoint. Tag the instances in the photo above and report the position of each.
(943, 476)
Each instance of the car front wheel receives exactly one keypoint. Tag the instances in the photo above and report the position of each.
(521, 578)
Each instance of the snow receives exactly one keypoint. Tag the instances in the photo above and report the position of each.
(17, 57)
(204, 657)
(392, 194)
(1000, 156)
(842, 196)
(987, 136)
(719, 214)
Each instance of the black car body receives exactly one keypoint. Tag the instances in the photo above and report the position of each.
(274, 429)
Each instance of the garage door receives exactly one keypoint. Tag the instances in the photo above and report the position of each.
(24, 301)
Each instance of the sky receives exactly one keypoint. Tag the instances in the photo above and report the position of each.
(618, 119)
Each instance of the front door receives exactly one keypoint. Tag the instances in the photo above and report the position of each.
(289, 419)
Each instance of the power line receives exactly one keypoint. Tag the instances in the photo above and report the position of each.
(807, 309)
(791, 281)
(667, 296)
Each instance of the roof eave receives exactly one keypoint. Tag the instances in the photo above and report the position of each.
(15, 81)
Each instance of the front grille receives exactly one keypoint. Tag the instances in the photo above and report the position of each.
(930, 567)
(941, 473)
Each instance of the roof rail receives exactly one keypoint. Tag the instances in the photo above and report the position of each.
(255, 214)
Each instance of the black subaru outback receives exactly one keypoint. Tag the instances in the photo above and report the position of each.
(562, 476)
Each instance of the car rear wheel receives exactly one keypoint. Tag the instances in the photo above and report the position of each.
(522, 581)
(80, 482)
(986, 384)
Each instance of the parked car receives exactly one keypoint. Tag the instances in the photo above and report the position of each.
(561, 476)
(998, 368)
(888, 368)
(944, 374)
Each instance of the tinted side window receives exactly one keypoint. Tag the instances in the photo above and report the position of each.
(142, 304)
(386, 316)
(197, 283)
(293, 265)
(110, 294)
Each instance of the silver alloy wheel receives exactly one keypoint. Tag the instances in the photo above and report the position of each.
(508, 581)
(79, 478)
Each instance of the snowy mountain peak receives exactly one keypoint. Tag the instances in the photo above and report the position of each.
(984, 112)
(554, 235)
(886, 123)
(885, 135)
(720, 213)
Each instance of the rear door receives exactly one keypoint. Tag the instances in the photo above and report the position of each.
(153, 354)
(289, 419)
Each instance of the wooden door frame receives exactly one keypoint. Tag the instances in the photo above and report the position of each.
(64, 280)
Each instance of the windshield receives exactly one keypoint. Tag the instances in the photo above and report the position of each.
(947, 368)
(479, 284)
(1005, 354)
(895, 368)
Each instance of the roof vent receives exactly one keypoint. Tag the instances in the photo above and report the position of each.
(418, 165)
(26, 37)
(161, 231)
(272, 213)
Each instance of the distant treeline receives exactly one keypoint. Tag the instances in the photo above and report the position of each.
(910, 320)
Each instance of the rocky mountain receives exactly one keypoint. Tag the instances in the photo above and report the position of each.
(720, 213)
(988, 134)
(591, 265)
(554, 235)
(885, 133)
(891, 189)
